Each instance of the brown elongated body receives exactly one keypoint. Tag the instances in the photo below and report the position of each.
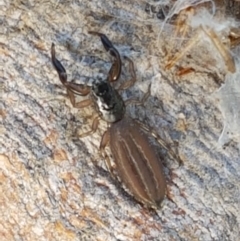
(137, 162)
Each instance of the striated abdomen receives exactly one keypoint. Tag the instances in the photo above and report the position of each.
(137, 162)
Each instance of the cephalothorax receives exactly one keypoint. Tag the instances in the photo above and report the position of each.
(137, 162)
(108, 103)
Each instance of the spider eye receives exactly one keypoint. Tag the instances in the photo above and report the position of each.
(102, 89)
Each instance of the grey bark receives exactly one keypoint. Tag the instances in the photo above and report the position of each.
(51, 186)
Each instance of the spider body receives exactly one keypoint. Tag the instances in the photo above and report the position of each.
(136, 159)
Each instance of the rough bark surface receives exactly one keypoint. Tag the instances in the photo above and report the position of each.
(51, 186)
